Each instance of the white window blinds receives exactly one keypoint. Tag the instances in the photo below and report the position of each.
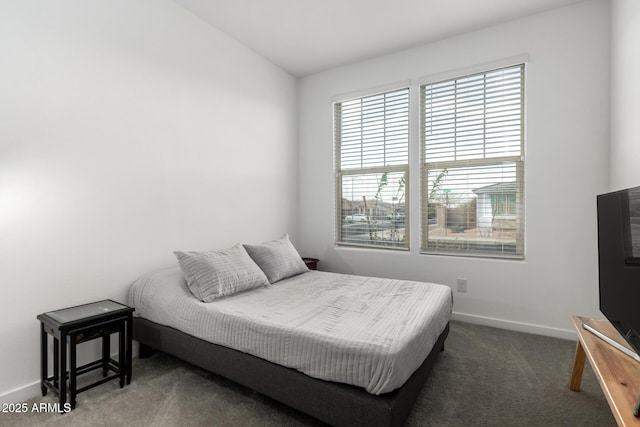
(472, 164)
(372, 164)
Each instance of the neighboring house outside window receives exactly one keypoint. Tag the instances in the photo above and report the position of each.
(372, 167)
(496, 207)
(472, 164)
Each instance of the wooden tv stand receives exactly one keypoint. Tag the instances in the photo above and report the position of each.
(617, 373)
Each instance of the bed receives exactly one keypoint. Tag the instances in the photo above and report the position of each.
(348, 350)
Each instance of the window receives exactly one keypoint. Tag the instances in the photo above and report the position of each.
(504, 204)
(372, 165)
(472, 164)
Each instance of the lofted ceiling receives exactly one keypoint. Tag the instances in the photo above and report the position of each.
(307, 36)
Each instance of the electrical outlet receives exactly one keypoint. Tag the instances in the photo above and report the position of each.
(462, 285)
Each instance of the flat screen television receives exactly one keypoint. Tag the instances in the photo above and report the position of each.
(619, 261)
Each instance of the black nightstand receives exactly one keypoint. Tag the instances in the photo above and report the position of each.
(77, 325)
(312, 263)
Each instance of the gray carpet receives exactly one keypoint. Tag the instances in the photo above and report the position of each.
(485, 377)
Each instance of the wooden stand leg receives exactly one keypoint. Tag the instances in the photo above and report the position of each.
(578, 368)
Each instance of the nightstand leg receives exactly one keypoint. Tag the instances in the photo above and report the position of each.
(122, 349)
(106, 354)
(43, 359)
(128, 350)
(56, 363)
(63, 370)
(72, 371)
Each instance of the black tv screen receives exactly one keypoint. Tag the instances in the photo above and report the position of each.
(619, 261)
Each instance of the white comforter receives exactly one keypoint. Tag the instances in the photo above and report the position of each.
(369, 332)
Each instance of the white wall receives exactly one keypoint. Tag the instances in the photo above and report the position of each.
(567, 110)
(128, 129)
(625, 93)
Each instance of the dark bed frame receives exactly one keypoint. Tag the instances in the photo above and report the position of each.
(334, 403)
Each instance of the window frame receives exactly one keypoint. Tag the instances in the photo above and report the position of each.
(518, 160)
(340, 173)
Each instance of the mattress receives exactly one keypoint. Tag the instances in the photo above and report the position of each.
(365, 331)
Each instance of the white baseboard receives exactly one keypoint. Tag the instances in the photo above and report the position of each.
(566, 334)
(21, 394)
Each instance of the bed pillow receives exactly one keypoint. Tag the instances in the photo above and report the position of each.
(277, 258)
(216, 274)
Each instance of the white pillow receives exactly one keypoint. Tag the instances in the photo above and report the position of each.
(215, 274)
(277, 258)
